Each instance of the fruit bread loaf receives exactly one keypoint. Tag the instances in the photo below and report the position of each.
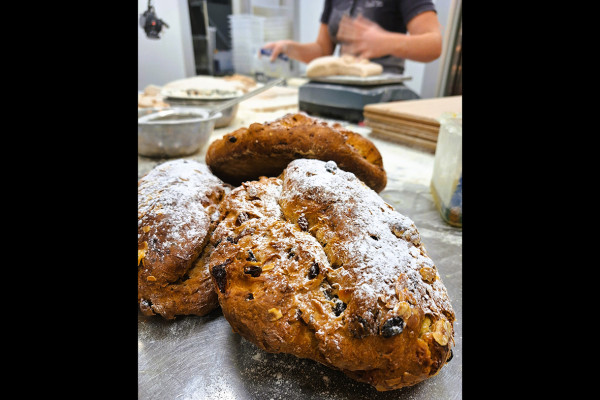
(266, 149)
(314, 263)
(177, 211)
(345, 65)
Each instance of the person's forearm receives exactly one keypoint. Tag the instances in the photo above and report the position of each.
(425, 47)
(304, 52)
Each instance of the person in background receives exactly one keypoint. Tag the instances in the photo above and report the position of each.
(384, 31)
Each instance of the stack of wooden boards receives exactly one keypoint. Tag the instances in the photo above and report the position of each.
(411, 122)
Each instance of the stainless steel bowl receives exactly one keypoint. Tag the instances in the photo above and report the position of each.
(175, 132)
(227, 115)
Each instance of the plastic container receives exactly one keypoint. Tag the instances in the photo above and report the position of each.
(247, 35)
(280, 68)
(446, 181)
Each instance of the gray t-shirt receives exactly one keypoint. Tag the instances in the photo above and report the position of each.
(391, 15)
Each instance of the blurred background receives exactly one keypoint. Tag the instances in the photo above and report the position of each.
(223, 37)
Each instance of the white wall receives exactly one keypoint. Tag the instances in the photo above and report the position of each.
(308, 18)
(170, 57)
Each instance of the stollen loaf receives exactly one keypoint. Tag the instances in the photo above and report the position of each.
(177, 212)
(315, 264)
(266, 149)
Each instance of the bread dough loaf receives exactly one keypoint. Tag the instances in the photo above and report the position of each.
(344, 65)
(177, 211)
(316, 264)
(266, 149)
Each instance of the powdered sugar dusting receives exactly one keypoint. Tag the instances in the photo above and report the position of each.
(173, 203)
(379, 244)
(268, 194)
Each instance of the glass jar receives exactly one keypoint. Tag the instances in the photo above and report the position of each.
(446, 181)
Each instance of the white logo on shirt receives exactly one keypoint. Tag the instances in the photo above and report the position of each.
(373, 3)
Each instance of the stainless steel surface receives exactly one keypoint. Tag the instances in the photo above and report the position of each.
(381, 79)
(201, 358)
(174, 132)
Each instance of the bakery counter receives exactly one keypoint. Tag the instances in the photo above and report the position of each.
(201, 358)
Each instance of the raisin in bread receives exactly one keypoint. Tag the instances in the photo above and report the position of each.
(177, 211)
(266, 149)
(316, 264)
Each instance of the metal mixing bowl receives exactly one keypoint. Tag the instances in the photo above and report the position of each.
(175, 132)
(150, 110)
(227, 115)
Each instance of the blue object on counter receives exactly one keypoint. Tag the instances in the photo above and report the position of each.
(456, 200)
(454, 212)
(267, 52)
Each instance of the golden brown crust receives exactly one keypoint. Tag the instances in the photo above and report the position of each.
(316, 264)
(266, 149)
(177, 211)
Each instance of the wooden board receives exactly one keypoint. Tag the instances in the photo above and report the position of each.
(425, 111)
(408, 140)
(405, 130)
(383, 119)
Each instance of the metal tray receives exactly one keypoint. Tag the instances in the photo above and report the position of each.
(381, 79)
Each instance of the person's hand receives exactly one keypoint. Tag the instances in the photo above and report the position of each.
(362, 38)
(278, 47)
